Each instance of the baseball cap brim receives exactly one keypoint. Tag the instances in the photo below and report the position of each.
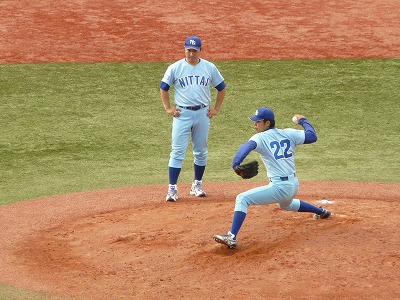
(193, 47)
(255, 118)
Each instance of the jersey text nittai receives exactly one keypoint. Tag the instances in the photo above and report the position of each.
(194, 79)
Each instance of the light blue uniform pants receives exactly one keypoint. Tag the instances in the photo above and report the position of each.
(190, 123)
(277, 191)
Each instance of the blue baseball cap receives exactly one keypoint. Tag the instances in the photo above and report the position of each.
(263, 113)
(193, 42)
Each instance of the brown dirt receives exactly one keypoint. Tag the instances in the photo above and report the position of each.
(129, 243)
(99, 30)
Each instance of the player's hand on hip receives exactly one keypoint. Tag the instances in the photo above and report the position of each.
(173, 111)
(212, 112)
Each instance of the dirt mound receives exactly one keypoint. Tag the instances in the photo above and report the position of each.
(131, 244)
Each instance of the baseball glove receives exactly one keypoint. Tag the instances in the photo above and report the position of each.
(248, 170)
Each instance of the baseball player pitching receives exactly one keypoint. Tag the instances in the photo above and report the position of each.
(192, 78)
(277, 150)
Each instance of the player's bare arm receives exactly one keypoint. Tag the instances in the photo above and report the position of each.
(218, 104)
(171, 110)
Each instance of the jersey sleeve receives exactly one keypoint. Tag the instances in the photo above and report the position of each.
(311, 135)
(297, 136)
(168, 76)
(256, 141)
(217, 78)
(242, 152)
(164, 86)
(221, 86)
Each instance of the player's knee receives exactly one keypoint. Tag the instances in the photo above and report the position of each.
(242, 203)
(200, 157)
(178, 154)
(293, 205)
(175, 162)
(284, 207)
(200, 161)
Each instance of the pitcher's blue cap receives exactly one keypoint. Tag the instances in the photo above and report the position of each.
(193, 42)
(263, 113)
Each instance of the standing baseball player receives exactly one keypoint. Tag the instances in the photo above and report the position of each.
(192, 78)
(277, 150)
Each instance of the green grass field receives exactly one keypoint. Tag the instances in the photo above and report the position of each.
(76, 127)
(12, 293)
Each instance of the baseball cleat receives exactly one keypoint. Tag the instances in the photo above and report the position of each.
(172, 195)
(325, 214)
(197, 189)
(226, 239)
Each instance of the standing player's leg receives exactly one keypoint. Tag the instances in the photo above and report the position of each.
(200, 132)
(181, 129)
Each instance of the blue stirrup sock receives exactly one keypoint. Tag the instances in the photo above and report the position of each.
(199, 172)
(173, 174)
(307, 207)
(238, 219)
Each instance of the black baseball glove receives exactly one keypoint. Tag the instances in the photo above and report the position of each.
(248, 170)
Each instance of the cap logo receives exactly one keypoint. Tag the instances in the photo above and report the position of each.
(256, 112)
(192, 42)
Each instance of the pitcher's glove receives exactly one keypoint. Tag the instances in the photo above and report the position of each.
(248, 170)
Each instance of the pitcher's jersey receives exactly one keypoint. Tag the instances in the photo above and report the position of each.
(276, 147)
(192, 83)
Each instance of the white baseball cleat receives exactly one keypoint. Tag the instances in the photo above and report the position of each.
(226, 239)
(172, 195)
(197, 189)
